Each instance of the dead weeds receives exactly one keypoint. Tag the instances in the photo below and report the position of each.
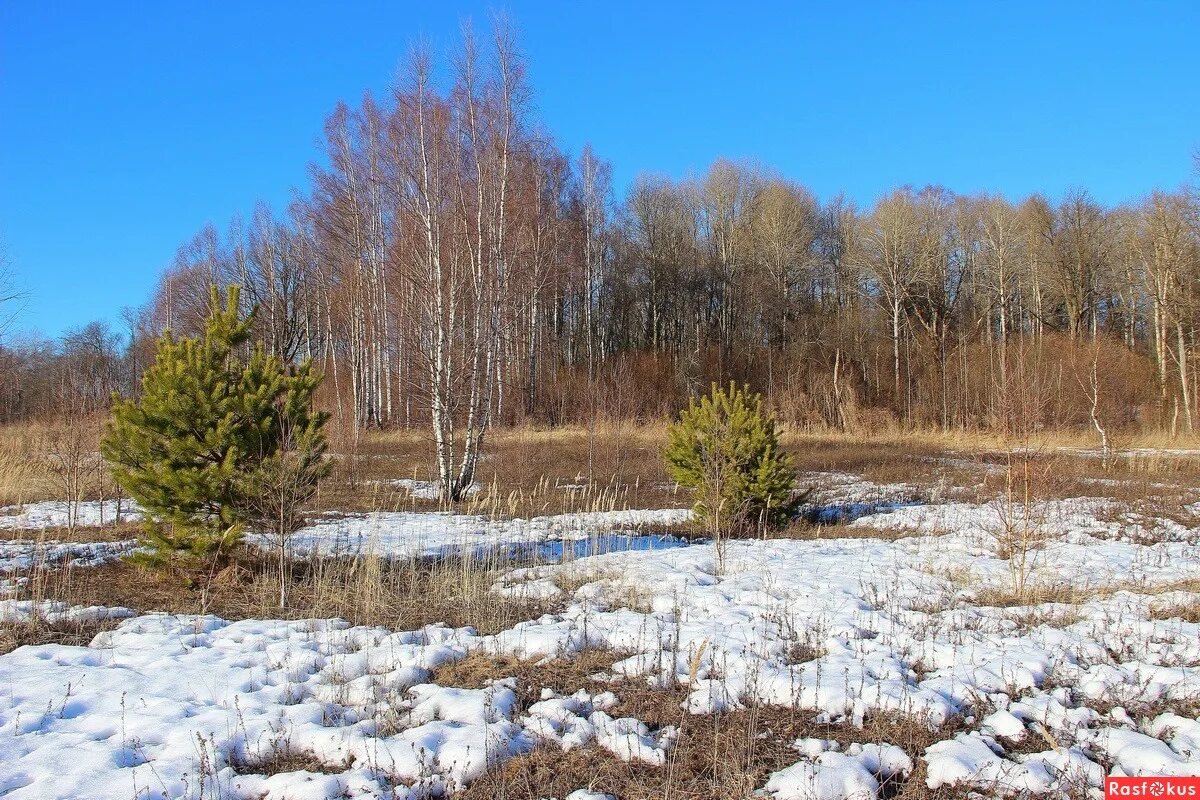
(14, 634)
(402, 594)
(723, 755)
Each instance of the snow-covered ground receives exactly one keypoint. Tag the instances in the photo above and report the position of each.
(400, 534)
(844, 489)
(22, 554)
(55, 612)
(59, 514)
(1048, 698)
(18, 557)
(1082, 520)
(170, 705)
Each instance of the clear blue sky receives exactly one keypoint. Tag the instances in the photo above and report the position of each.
(124, 127)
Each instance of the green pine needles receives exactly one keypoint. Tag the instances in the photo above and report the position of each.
(223, 436)
(725, 448)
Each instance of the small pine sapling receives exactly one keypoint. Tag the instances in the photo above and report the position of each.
(215, 417)
(725, 448)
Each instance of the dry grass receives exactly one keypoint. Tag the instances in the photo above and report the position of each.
(38, 632)
(281, 758)
(1034, 593)
(32, 460)
(967, 465)
(1188, 611)
(725, 755)
(804, 530)
(24, 470)
(402, 595)
(529, 471)
(524, 472)
(564, 675)
(629, 453)
(988, 441)
(108, 533)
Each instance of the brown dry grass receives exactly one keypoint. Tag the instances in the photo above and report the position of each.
(698, 771)
(530, 471)
(38, 632)
(283, 758)
(806, 531)
(23, 469)
(525, 471)
(1188, 611)
(1034, 594)
(629, 452)
(988, 441)
(107, 533)
(564, 675)
(28, 470)
(402, 595)
(725, 755)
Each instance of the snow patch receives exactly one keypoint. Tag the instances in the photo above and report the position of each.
(59, 514)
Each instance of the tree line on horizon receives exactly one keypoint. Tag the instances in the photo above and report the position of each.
(450, 268)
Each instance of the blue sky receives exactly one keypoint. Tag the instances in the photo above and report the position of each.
(124, 127)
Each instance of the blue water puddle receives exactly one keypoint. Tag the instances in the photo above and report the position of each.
(556, 550)
(607, 543)
(848, 512)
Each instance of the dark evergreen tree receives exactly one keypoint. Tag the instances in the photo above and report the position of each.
(216, 418)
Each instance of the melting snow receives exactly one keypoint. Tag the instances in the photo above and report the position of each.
(180, 706)
(23, 554)
(58, 514)
(414, 534)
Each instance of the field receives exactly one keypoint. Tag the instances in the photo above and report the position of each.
(950, 616)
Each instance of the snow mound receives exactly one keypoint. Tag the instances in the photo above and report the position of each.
(857, 774)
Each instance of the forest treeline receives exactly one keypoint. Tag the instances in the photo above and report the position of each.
(451, 266)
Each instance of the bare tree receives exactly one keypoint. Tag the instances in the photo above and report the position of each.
(889, 256)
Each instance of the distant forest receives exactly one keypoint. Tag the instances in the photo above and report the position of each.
(450, 264)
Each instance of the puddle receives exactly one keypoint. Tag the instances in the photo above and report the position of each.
(608, 543)
(842, 514)
(556, 550)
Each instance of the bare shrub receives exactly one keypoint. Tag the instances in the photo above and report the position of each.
(74, 467)
(1022, 532)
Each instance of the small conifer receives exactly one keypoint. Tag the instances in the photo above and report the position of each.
(216, 423)
(725, 448)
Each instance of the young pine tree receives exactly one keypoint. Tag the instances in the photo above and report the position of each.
(287, 479)
(725, 448)
(210, 429)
